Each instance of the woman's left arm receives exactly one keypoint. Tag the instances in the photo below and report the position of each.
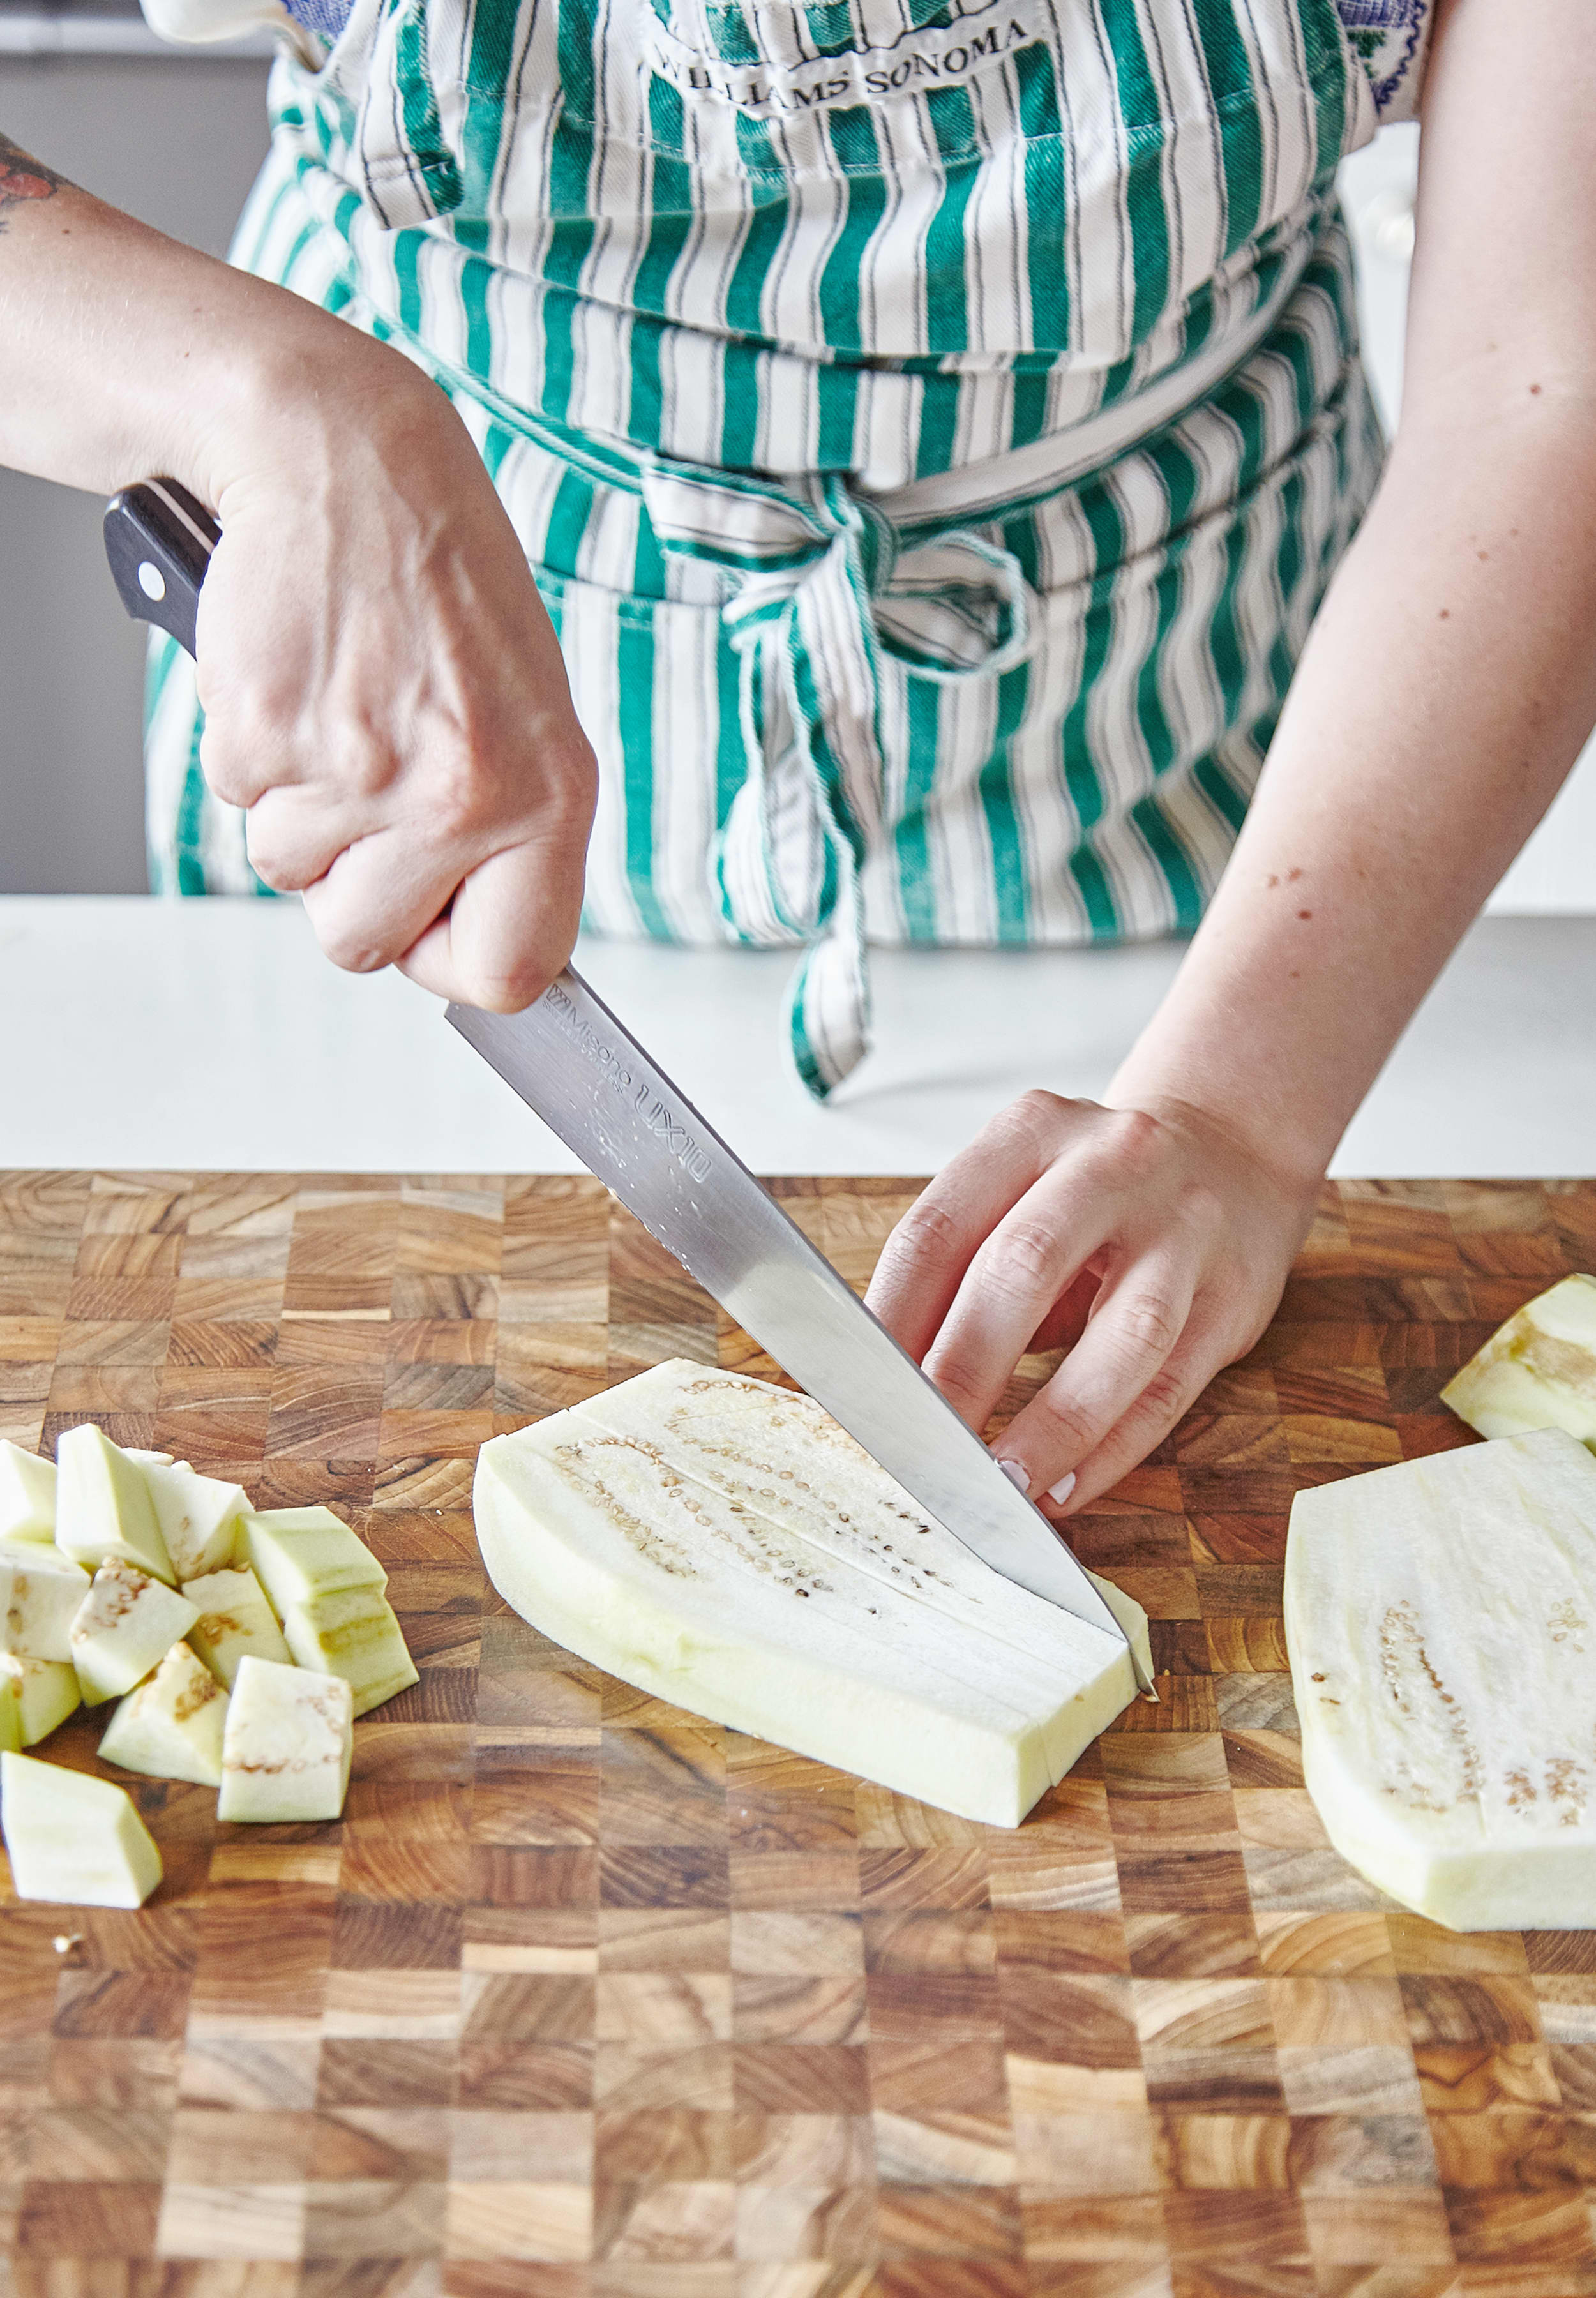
(1445, 692)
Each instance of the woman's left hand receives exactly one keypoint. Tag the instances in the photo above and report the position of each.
(1152, 1245)
(1445, 690)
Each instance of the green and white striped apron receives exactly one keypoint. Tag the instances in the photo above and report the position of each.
(933, 429)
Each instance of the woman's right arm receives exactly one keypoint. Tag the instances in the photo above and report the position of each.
(383, 689)
(124, 353)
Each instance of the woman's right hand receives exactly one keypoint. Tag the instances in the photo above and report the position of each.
(384, 691)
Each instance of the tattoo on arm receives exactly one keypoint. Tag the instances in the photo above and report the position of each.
(23, 177)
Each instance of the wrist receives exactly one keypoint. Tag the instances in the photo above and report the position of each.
(1289, 1160)
(294, 390)
(1271, 1049)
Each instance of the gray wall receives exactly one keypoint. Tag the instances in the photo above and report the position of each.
(175, 140)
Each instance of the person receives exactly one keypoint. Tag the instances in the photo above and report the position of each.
(938, 437)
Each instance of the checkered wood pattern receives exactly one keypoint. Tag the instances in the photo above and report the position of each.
(588, 1999)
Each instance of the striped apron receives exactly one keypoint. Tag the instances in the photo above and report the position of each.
(932, 427)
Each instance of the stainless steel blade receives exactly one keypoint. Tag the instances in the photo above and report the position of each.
(592, 1084)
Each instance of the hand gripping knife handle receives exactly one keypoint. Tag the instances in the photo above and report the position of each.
(159, 541)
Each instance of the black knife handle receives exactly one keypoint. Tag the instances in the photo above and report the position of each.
(159, 541)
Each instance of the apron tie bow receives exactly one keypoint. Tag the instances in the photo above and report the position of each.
(820, 587)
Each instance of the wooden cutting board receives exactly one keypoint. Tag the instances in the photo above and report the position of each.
(588, 1999)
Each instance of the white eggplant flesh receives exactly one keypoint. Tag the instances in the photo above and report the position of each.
(198, 1516)
(27, 1494)
(234, 1621)
(171, 1725)
(1536, 1371)
(287, 1746)
(36, 1695)
(74, 1838)
(297, 1554)
(1441, 1621)
(40, 1593)
(723, 1545)
(125, 1626)
(354, 1632)
(774, 1451)
(103, 1505)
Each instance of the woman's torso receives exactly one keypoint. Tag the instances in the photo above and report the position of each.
(873, 236)
(932, 480)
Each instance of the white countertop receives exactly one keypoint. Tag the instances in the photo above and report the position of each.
(213, 1034)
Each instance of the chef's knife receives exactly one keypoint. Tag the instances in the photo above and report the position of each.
(574, 1063)
(591, 1082)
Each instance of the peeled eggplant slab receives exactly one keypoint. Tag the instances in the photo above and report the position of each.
(103, 1505)
(1440, 1620)
(27, 1494)
(73, 1837)
(723, 1545)
(171, 1726)
(36, 1695)
(1536, 1371)
(287, 1744)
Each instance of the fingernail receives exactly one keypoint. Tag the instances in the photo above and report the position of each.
(1061, 1491)
(1016, 1474)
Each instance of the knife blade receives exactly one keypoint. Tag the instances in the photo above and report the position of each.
(585, 1074)
(572, 1063)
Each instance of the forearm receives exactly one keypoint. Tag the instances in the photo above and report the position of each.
(1449, 683)
(123, 352)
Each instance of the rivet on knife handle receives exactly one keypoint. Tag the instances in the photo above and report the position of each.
(159, 541)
